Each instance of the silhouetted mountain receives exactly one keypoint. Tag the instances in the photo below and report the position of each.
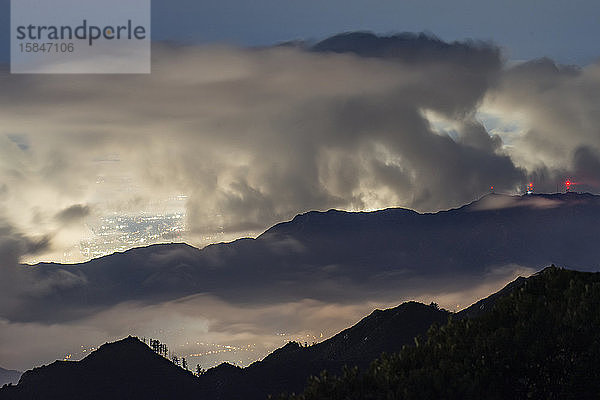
(538, 337)
(540, 340)
(288, 368)
(127, 369)
(9, 376)
(335, 256)
(410, 47)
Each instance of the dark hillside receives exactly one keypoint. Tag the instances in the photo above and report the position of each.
(540, 341)
(288, 368)
(127, 369)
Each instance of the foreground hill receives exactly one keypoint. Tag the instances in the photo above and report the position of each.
(540, 341)
(126, 369)
(288, 368)
(537, 338)
(332, 256)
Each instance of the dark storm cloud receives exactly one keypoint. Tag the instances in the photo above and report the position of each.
(14, 245)
(73, 214)
(256, 136)
(13, 278)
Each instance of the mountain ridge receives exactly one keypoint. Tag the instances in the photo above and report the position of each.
(376, 254)
(284, 370)
(129, 362)
(519, 201)
(301, 217)
(540, 340)
(287, 368)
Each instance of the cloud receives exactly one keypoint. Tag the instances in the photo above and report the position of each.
(200, 323)
(14, 245)
(181, 324)
(72, 214)
(254, 136)
(496, 202)
(13, 279)
(586, 168)
(557, 137)
(462, 293)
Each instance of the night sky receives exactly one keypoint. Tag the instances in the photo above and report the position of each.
(564, 31)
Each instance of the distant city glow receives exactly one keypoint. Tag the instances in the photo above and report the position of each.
(122, 232)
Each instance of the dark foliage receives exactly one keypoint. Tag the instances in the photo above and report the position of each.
(540, 341)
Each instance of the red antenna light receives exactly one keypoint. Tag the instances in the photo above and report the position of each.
(529, 188)
(568, 184)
